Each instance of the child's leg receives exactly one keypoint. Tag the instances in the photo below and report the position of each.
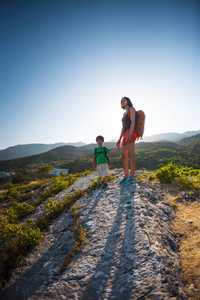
(100, 179)
(106, 179)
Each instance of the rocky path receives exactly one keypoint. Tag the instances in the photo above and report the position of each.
(131, 252)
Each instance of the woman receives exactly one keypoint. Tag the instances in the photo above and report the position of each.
(129, 136)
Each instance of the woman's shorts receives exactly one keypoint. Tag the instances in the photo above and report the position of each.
(103, 170)
(125, 135)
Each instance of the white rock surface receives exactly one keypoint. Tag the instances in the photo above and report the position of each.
(131, 252)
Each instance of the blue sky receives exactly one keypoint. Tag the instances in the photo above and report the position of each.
(65, 65)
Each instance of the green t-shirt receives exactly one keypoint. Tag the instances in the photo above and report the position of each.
(101, 159)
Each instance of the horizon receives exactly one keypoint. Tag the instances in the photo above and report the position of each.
(94, 142)
(65, 65)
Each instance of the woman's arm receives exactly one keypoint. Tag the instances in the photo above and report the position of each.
(119, 141)
(132, 117)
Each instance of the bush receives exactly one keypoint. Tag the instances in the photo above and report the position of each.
(19, 178)
(27, 234)
(44, 169)
(13, 193)
(185, 182)
(19, 211)
(167, 173)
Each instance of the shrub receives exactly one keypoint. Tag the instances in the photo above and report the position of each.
(167, 173)
(13, 193)
(19, 211)
(19, 178)
(185, 182)
(26, 234)
(44, 169)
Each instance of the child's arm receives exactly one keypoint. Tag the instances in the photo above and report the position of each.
(115, 150)
(94, 162)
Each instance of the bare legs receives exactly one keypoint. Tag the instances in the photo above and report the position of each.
(128, 151)
(105, 180)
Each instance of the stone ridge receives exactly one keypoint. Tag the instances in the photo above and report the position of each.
(131, 252)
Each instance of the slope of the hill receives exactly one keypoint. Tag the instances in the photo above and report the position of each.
(187, 146)
(170, 136)
(31, 149)
(131, 251)
(190, 140)
(57, 154)
(18, 151)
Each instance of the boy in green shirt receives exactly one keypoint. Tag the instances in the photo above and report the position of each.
(100, 161)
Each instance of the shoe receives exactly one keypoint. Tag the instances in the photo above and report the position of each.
(99, 186)
(123, 180)
(129, 180)
(104, 186)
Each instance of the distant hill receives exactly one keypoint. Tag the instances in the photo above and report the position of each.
(189, 140)
(31, 149)
(66, 153)
(57, 154)
(26, 150)
(171, 136)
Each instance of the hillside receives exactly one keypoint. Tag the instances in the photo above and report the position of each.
(31, 149)
(185, 152)
(130, 252)
(170, 136)
(190, 140)
(20, 151)
(57, 154)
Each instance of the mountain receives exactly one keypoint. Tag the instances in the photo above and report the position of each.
(170, 136)
(189, 140)
(57, 154)
(20, 151)
(31, 149)
(66, 153)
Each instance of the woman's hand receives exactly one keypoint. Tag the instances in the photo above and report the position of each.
(118, 143)
(128, 140)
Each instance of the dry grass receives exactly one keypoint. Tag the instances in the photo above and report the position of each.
(187, 225)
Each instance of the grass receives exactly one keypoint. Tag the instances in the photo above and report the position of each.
(79, 239)
(187, 225)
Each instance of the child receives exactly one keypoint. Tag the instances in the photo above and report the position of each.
(100, 161)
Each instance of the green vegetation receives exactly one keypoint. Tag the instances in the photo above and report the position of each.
(19, 235)
(44, 169)
(185, 178)
(78, 159)
(19, 211)
(167, 173)
(80, 238)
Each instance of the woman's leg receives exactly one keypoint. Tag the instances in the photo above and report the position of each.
(125, 159)
(131, 155)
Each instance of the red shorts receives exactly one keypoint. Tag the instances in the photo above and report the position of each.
(133, 137)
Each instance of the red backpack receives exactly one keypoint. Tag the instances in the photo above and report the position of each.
(139, 122)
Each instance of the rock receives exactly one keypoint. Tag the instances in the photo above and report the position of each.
(131, 252)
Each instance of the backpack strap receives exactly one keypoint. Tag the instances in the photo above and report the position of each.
(136, 116)
(129, 114)
(104, 148)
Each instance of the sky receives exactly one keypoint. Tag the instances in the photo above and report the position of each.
(66, 64)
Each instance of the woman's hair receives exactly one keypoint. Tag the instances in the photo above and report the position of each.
(100, 137)
(130, 104)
